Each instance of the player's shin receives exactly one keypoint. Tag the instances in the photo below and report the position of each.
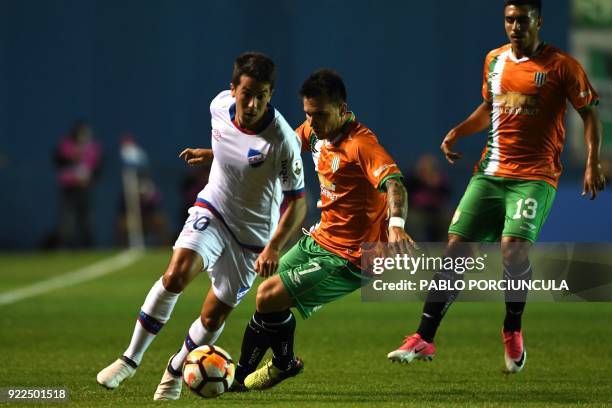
(154, 313)
(282, 341)
(197, 336)
(255, 343)
(516, 295)
(436, 305)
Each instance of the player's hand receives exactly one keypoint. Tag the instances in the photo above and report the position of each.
(197, 157)
(594, 181)
(400, 241)
(447, 147)
(267, 262)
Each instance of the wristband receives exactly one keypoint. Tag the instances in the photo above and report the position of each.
(397, 222)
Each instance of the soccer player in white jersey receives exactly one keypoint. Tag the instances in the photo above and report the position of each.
(233, 230)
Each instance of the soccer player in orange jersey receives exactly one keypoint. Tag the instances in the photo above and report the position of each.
(525, 87)
(360, 184)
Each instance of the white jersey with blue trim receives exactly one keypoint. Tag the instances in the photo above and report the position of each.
(250, 172)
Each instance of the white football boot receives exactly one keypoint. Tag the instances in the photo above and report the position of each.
(115, 374)
(170, 386)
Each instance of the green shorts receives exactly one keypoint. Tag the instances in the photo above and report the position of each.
(313, 276)
(493, 207)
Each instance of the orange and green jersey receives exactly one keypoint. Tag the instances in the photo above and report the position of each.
(352, 171)
(528, 98)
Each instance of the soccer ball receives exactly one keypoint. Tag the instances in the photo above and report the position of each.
(208, 371)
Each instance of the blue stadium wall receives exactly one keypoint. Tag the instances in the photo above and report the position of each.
(413, 69)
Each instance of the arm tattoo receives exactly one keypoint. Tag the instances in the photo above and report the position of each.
(397, 198)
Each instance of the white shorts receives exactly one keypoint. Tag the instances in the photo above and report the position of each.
(231, 267)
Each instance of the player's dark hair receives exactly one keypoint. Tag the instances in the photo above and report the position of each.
(254, 65)
(324, 82)
(536, 4)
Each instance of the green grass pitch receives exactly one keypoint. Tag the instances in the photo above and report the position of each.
(63, 338)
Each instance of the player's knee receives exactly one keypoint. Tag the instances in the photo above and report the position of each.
(266, 293)
(174, 281)
(457, 247)
(176, 277)
(515, 253)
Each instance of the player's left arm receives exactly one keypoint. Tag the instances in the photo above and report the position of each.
(397, 201)
(292, 180)
(584, 99)
(594, 180)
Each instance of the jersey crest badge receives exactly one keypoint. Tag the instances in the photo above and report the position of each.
(540, 79)
(255, 157)
(335, 163)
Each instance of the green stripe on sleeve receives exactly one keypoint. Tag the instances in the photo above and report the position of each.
(381, 185)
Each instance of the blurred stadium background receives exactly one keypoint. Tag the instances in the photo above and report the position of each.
(150, 68)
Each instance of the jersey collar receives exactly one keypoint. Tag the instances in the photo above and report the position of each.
(347, 127)
(268, 118)
(535, 54)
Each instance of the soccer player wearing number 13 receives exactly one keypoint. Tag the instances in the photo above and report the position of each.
(525, 87)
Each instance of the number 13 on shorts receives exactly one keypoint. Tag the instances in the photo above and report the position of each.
(526, 208)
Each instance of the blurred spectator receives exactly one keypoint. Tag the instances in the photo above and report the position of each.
(148, 222)
(428, 197)
(77, 159)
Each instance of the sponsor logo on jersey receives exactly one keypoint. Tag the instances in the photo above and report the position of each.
(297, 167)
(540, 79)
(284, 174)
(379, 170)
(216, 134)
(515, 103)
(255, 157)
(242, 291)
(325, 183)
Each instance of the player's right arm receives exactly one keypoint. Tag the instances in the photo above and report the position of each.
(478, 121)
(197, 157)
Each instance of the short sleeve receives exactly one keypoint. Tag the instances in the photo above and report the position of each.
(376, 163)
(579, 90)
(485, 78)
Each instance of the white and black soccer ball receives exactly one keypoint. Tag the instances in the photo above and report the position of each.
(208, 371)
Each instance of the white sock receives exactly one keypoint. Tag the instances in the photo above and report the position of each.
(198, 336)
(154, 313)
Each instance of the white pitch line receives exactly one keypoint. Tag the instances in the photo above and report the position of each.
(85, 274)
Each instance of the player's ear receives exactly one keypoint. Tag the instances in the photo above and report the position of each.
(233, 90)
(540, 22)
(343, 108)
